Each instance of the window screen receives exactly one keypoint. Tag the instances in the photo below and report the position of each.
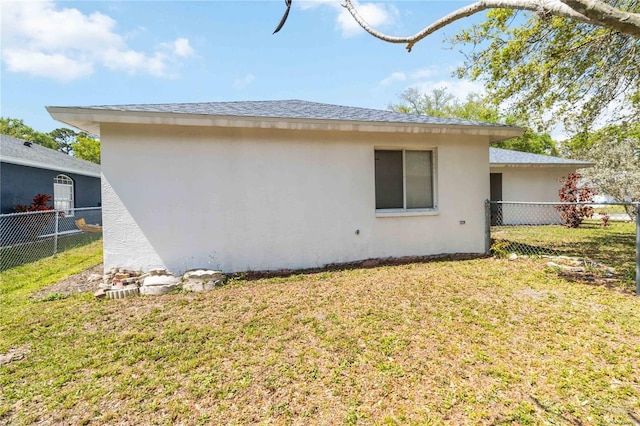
(419, 179)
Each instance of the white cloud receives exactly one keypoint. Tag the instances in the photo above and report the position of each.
(458, 88)
(48, 40)
(392, 78)
(133, 62)
(182, 47)
(414, 77)
(376, 15)
(41, 64)
(426, 72)
(242, 82)
(433, 77)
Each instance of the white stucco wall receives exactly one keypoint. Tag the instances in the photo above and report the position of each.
(533, 184)
(247, 199)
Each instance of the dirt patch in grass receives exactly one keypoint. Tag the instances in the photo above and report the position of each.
(84, 282)
(13, 354)
(588, 272)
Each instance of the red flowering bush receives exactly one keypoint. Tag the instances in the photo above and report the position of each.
(574, 214)
(39, 203)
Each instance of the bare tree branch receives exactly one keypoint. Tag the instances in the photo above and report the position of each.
(609, 17)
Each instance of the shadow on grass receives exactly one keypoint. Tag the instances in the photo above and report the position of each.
(503, 248)
(613, 245)
(555, 413)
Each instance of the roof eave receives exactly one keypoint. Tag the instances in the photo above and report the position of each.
(39, 165)
(89, 120)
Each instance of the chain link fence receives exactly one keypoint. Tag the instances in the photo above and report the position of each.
(606, 235)
(26, 237)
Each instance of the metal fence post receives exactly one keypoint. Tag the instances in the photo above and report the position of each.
(638, 249)
(487, 227)
(55, 234)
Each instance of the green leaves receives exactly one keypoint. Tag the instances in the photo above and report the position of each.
(86, 148)
(68, 141)
(16, 128)
(615, 150)
(439, 103)
(555, 70)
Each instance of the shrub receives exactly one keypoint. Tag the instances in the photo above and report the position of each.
(574, 214)
(39, 203)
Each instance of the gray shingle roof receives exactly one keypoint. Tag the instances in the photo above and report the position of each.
(295, 109)
(506, 156)
(13, 150)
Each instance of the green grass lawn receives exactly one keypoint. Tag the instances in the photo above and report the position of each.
(613, 245)
(611, 209)
(20, 254)
(486, 341)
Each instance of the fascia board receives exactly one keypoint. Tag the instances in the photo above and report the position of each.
(89, 120)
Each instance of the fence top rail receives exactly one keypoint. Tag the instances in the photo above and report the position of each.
(560, 203)
(79, 209)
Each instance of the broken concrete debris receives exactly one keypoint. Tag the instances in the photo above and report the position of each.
(119, 283)
(155, 285)
(201, 280)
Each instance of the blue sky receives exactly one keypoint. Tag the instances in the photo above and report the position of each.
(69, 53)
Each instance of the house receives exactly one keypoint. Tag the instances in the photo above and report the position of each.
(523, 176)
(269, 185)
(28, 169)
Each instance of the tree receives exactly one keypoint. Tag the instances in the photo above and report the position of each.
(16, 128)
(568, 61)
(615, 150)
(64, 138)
(79, 144)
(442, 104)
(86, 148)
(595, 13)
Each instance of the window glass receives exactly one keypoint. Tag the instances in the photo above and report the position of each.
(404, 179)
(419, 181)
(63, 194)
(389, 187)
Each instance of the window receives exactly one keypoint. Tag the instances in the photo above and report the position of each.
(63, 194)
(404, 180)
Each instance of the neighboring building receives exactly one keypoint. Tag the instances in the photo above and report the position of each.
(522, 176)
(241, 186)
(28, 169)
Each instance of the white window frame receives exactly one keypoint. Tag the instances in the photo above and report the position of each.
(430, 211)
(62, 185)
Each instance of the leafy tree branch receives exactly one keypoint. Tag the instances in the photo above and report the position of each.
(440, 103)
(593, 12)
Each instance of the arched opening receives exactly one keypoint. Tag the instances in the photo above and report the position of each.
(63, 194)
